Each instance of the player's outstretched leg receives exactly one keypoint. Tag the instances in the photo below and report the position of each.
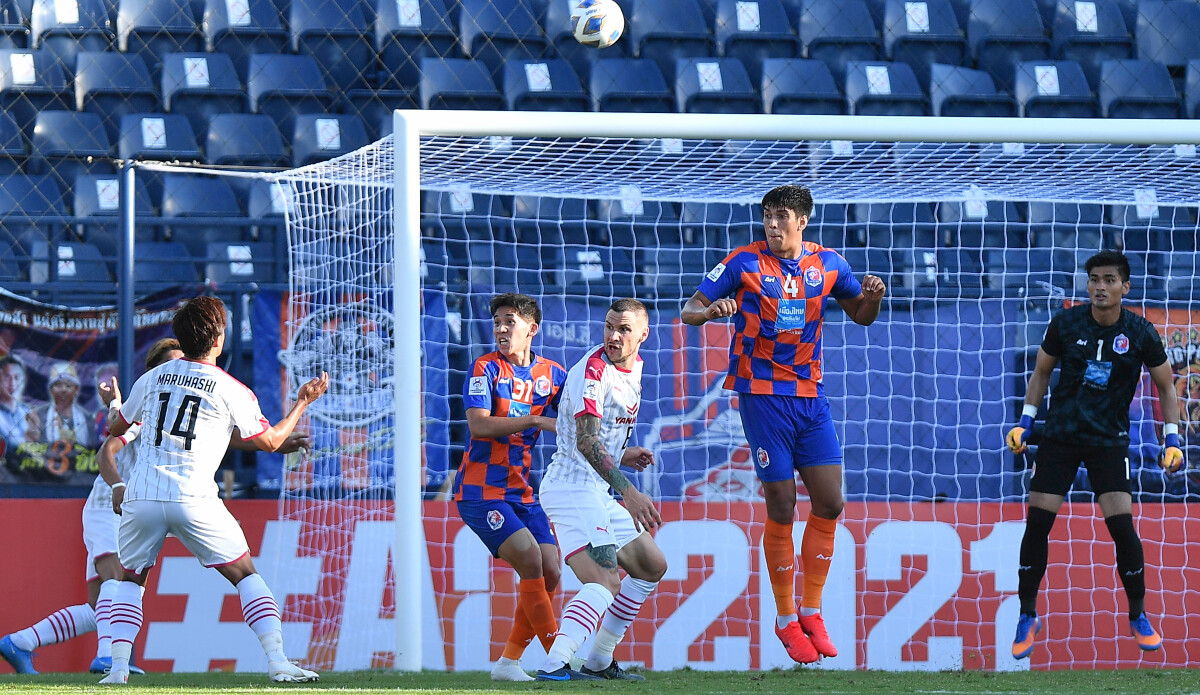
(20, 659)
(1028, 626)
(816, 552)
(261, 613)
(125, 621)
(61, 625)
(580, 617)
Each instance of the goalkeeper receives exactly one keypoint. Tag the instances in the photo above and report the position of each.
(1102, 348)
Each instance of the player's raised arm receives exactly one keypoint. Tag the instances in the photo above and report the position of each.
(588, 442)
(274, 436)
(699, 310)
(864, 308)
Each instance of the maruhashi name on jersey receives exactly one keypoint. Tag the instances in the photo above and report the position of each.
(188, 381)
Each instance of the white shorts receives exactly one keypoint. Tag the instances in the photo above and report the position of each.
(204, 525)
(583, 515)
(99, 537)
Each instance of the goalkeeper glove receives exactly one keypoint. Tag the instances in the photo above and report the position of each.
(1017, 435)
(1171, 459)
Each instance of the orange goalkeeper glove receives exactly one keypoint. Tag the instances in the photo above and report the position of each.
(1017, 435)
(1171, 458)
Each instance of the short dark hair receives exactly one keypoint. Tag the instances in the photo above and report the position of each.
(157, 354)
(798, 199)
(629, 304)
(198, 325)
(525, 306)
(1108, 257)
(9, 359)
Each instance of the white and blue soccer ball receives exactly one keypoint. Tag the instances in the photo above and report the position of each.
(597, 23)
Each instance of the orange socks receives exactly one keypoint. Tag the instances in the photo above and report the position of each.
(780, 554)
(816, 551)
(534, 618)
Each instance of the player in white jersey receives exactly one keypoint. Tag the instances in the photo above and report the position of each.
(188, 409)
(596, 414)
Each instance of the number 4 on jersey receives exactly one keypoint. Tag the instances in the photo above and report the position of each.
(189, 408)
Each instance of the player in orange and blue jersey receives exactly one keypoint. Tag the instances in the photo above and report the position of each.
(507, 395)
(778, 289)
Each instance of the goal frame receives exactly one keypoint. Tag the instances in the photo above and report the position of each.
(411, 125)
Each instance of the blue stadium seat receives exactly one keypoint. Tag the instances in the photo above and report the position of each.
(597, 271)
(1053, 89)
(186, 196)
(461, 215)
(543, 85)
(13, 266)
(1071, 214)
(956, 91)
(33, 196)
(557, 24)
(922, 33)
(664, 30)
(376, 106)
(163, 264)
(402, 42)
(1167, 30)
(493, 266)
(111, 85)
(258, 30)
(69, 143)
(76, 262)
(199, 86)
(1003, 33)
(884, 89)
(1128, 9)
(317, 137)
(1090, 37)
(725, 226)
(1137, 89)
(285, 86)
(334, 33)
(157, 136)
(95, 197)
(795, 86)
(669, 273)
(30, 82)
(154, 28)
(752, 35)
(1180, 271)
(88, 29)
(245, 139)
(14, 28)
(1191, 92)
(233, 263)
(454, 83)
(630, 84)
(12, 146)
(561, 219)
(714, 85)
(837, 32)
(494, 31)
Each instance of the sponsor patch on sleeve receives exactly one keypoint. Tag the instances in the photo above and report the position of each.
(716, 272)
(591, 389)
(478, 386)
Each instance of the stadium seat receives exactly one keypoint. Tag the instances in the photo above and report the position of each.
(1128, 10)
(461, 215)
(630, 84)
(664, 30)
(752, 35)
(13, 155)
(425, 31)
(245, 139)
(69, 143)
(714, 85)
(1137, 89)
(157, 136)
(795, 86)
(1053, 89)
(454, 83)
(837, 32)
(163, 264)
(495, 31)
(317, 137)
(111, 85)
(30, 82)
(1191, 91)
(561, 219)
(493, 266)
(14, 28)
(669, 273)
(258, 28)
(285, 86)
(376, 108)
(597, 271)
(22, 195)
(1166, 31)
(922, 33)
(84, 26)
(884, 89)
(239, 262)
(723, 226)
(561, 39)
(76, 262)
(1090, 33)
(1147, 227)
(95, 198)
(334, 33)
(267, 202)
(199, 86)
(1180, 271)
(1003, 33)
(957, 91)
(153, 28)
(13, 265)
(543, 85)
(188, 196)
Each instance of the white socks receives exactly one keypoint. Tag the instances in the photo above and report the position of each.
(108, 589)
(60, 626)
(261, 613)
(125, 621)
(580, 618)
(624, 609)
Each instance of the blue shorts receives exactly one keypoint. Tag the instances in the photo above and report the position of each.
(495, 520)
(788, 432)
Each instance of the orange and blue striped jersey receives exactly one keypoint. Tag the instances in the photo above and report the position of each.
(498, 469)
(776, 346)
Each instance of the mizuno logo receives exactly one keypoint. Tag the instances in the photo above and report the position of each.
(822, 557)
(1133, 574)
(784, 569)
(1025, 568)
(1081, 341)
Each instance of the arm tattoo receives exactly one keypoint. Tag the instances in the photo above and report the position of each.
(605, 556)
(589, 444)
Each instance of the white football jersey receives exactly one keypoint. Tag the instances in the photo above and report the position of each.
(101, 495)
(188, 411)
(595, 387)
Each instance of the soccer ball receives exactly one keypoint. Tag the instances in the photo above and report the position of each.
(597, 23)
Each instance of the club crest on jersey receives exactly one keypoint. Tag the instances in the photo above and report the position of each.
(1121, 344)
(763, 459)
(813, 277)
(495, 520)
(478, 386)
(542, 386)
